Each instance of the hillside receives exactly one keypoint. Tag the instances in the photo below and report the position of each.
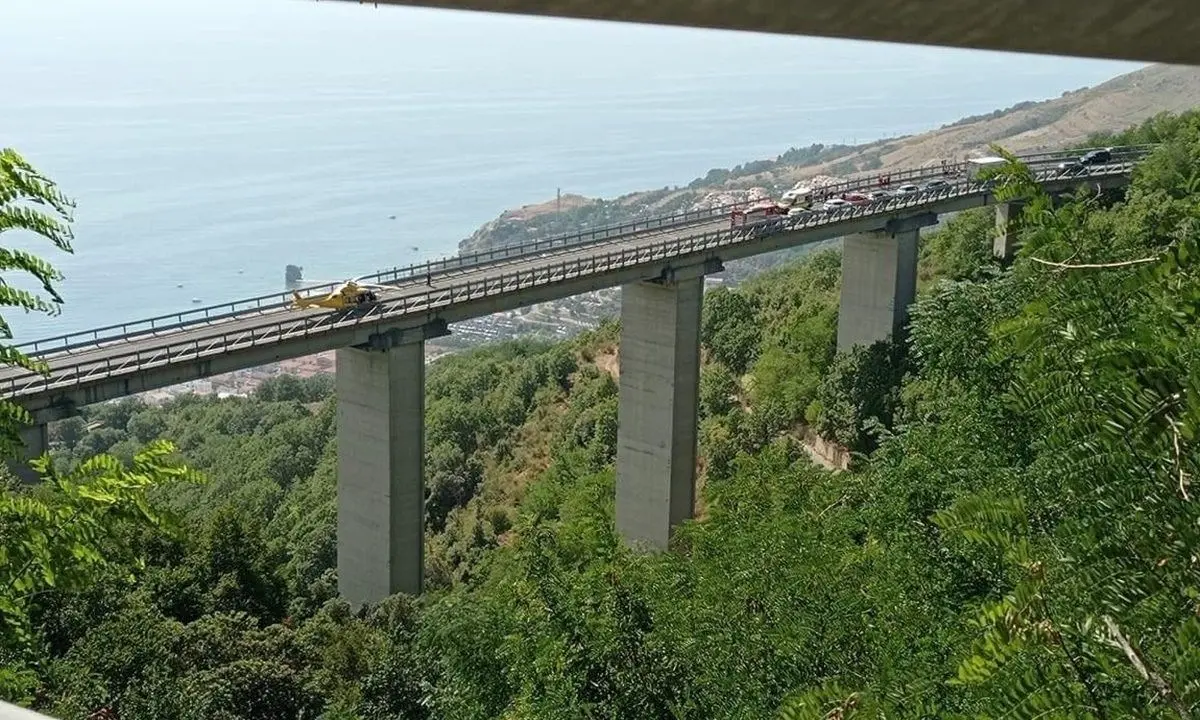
(1028, 126)
(1034, 126)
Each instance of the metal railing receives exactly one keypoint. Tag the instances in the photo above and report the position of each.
(956, 168)
(396, 275)
(278, 301)
(136, 360)
(274, 302)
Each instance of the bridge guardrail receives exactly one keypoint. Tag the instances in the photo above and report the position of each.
(870, 180)
(429, 301)
(278, 301)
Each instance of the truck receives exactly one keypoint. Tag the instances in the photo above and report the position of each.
(798, 197)
(807, 193)
(976, 166)
(756, 213)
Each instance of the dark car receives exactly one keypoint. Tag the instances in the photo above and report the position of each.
(1095, 157)
(936, 184)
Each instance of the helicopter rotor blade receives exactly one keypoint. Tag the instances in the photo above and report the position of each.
(376, 286)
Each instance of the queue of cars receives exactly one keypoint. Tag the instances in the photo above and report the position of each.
(859, 197)
(803, 200)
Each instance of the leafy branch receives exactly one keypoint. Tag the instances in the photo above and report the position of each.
(32, 203)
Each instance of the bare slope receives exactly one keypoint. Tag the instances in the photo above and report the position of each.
(1114, 105)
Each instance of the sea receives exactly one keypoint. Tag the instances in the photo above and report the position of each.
(209, 143)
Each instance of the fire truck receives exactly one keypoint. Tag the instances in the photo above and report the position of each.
(759, 212)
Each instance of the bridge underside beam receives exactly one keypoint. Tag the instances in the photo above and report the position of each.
(380, 471)
(1150, 30)
(657, 415)
(879, 282)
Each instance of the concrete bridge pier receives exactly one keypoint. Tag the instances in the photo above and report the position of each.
(35, 439)
(381, 466)
(879, 282)
(1004, 244)
(658, 406)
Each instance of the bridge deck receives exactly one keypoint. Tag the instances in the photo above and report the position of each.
(453, 265)
(263, 335)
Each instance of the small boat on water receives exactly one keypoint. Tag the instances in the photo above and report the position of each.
(196, 301)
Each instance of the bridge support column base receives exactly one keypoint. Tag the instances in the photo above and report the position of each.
(1004, 246)
(36, 441)
(380, 472)
(657, 415)
(879, 282)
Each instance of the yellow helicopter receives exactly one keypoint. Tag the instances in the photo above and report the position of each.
(350, 294)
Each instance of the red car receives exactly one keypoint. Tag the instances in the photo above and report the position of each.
(856, 198)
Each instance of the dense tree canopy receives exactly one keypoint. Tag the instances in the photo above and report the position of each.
(1017, 538)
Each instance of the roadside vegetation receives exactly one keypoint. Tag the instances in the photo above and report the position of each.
(1017, 535)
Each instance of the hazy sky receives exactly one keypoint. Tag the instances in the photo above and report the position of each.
(128, 44)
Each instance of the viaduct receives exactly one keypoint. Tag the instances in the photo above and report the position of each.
(660, 265)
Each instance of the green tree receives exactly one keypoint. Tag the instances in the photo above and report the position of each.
(861, 392)
(729, 328)
(717, 390)
(66, 535)
(1021, 541)
(954, 250)
(1100, 618)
